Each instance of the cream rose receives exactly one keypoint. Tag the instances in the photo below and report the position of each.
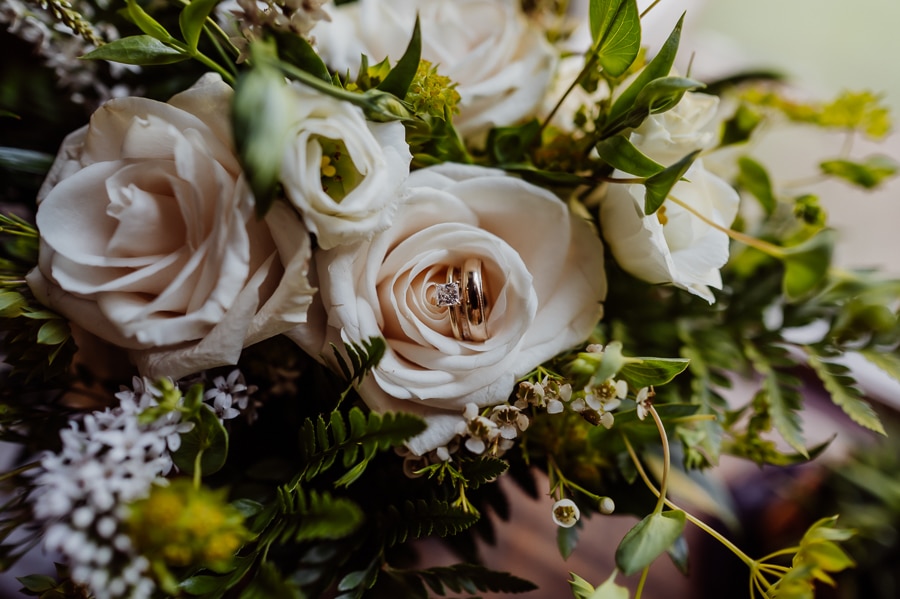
(543, 271)
(340, 170)
(674, 245)
(149, 239)
(501, 61)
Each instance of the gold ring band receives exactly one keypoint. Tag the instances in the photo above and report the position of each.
(468, 313)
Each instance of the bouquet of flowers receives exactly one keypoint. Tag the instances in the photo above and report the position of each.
(313, 276)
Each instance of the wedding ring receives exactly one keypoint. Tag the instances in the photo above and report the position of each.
(474, 301)
(465, 298)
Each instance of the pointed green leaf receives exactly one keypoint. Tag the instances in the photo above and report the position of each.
(652, 371)
(868, 174)
(844, 392)
(618, 152)
(806, 265)
(25, 161)
(660, 95)
(192, 19)
(139, 50)
(295, 50)
(887, 361)
(740, 126)
(146, 23)
(53, 332)
(581, 588)
(783, 401)
(656, 68)
(754, 178)
(648, 540)
(616, 27)
(660, 185)
(401, 76)
(567, 540)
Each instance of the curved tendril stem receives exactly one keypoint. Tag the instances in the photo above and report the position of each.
(692, 519)
(664, 439)
(640, 587)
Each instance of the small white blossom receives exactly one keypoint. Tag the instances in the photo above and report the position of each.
(230, 396)
(510, 420)
(644, 400)
(565, 513)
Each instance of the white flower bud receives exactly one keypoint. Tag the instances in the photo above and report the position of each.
(565, 513)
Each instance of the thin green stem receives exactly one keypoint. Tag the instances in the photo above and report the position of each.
(197, 470)
(640, 587)
(10, 474)
(692, 519)
(209, 62)
(664, 439)
(763, 246)
(649, 8)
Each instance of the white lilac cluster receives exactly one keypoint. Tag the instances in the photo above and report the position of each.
(253, 17)
(62, 48)
(80, 496)
(229, 397)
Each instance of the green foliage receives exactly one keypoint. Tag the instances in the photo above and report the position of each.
(754, 178)
(192, 19)
(818, 556)
(616, 31)
(205, 446)
(779, 398)
(620, 153)
(582, 589)
(314, 516)
(401, 76)
(806, 265)
(647, 372)
(363, 358)
(839, 382)
(25, 161)
(356, 437)
(260, 109)
(740, 126)
(660, 185)
(415, 519)
(458, 578)
(648, 539)
(869, 174)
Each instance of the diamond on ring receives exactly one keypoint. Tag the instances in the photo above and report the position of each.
(447, 294)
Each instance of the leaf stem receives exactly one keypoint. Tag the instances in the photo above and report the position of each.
(640, 587)
(763, 246)
(664, 439)
(692, 519)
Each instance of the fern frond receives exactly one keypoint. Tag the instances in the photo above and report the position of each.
(420, 518)
(308, 515)
(322, 441)
(363, 358)
(467, 578)
(844, 393)
(780, 391)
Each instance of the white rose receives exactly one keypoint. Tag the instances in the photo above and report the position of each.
(340, 170)
(149, 238)
(674, 245)
(501, 61)
(669, 136)
(543, 271)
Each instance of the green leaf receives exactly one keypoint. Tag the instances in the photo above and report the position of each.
(868, 175)
(146, 23)
(401, 76)
(754, 178)
(678, 552)
(887, 361)
(260, 110)
(192, 19)
(12, 303)
(779, 393)
(567, 540)
(648, 539)
(295, 50)
(482, 470)
(660, 185)
(656, 68)
(207, 436)
(844, 392)
(616, 27)
(363, 358)
(315, 516)
(25, 161)
(37, 583)
(806, 265)
(610, 590)
(740, 126)
(53, 332)
(420, 518)
(471, 578)
(658, 96)
(618, 152)
(652, 371)
(139, 50)
(510, 145)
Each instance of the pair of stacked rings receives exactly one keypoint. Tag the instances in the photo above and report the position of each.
(464, 295)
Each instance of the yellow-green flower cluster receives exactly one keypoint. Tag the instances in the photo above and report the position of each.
(179, 525)
(431, 93)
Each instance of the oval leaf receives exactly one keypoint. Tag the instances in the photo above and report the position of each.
(806, 265)
(652, 371)
(648, 540)
(53, 332)
(192, 19)
(616, 27)
(659, 185)
(620, 153)
(208, 436)
(137, 49)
